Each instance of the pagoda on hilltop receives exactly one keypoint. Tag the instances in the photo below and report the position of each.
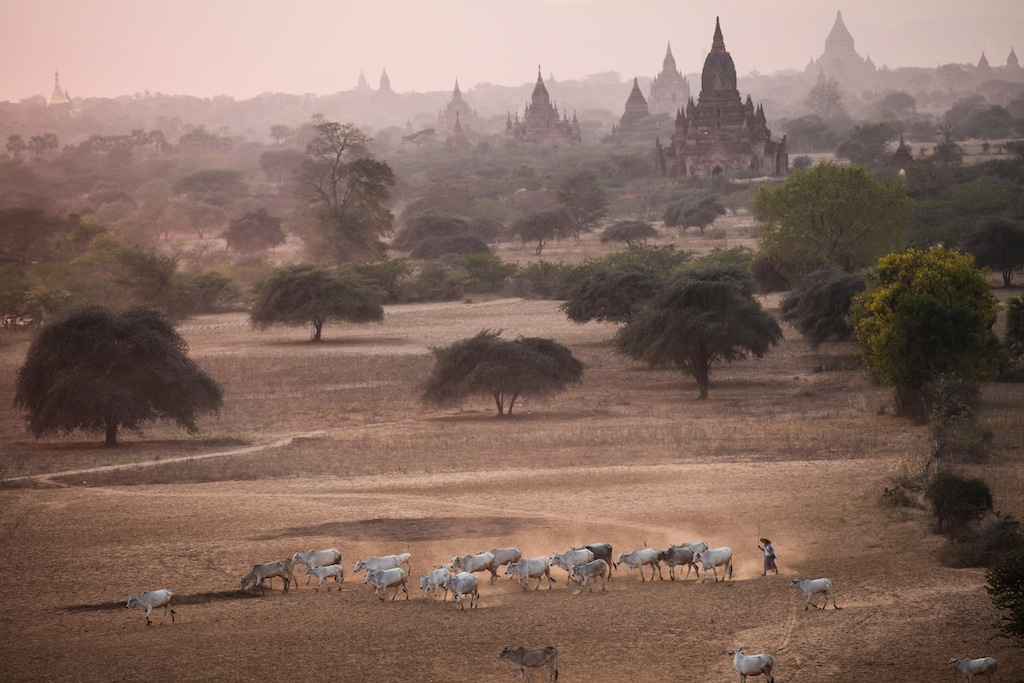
(541, 123)
(669, 89)
(721, 133)
(59, 100)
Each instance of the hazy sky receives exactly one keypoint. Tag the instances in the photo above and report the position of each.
(106, 48)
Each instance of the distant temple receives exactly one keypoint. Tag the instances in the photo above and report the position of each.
(385, 83)
(362, 85)
(457, 137)
(58, 98)
(721, 133)
(902, 158)
(840, 61)
(541, 123)
(457, 111)
(670, 89)
(636, 109)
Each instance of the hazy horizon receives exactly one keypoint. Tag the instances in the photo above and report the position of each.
(242, 48)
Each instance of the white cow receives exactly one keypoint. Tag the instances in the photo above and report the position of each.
(382, 579)
(752, 665)
(969, 668)
(570, 558)
(464, 583)
(473, 564)
(588, 570)
(712, 559)
(505, 556)
(323, 573)
(534, 568)
(639, 558)
(317, 558)
(385, 562)
(151, 600)
(267, 570)
(433, 582)
(522, 659)
(812, 587)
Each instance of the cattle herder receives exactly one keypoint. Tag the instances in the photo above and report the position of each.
(769, 556)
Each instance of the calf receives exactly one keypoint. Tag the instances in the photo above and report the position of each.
(522, 660)
(585, 572)
(433, 582)
(323, 573)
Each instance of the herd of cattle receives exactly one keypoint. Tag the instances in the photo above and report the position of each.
(582, 564)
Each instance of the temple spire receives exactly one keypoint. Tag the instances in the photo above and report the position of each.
(718, 41)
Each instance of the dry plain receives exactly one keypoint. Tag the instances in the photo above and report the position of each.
(327, 445)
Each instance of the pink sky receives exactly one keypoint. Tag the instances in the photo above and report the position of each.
(106, 48)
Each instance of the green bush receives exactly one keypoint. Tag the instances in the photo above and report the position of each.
(957, 501)
(486, 273)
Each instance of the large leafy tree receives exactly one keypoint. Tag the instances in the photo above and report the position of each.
(208, 196)
(347, 191)
(628, 232)
(867, 144)
(697, 321)
(926, 313)
(504, 369)
(542, 226)
(612, 294)
(999, 244)
(101, 371)
(830, 215)
(305, 294)
(581, 194)
(694, 213)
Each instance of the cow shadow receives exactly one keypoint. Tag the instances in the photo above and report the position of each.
(179, 599)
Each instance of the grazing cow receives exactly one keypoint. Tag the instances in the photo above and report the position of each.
(682, 554)
(535, 568)
(752, 665)
(812, 587)
(638, 558)
(433, 582)
(473, 564)
(712, 559)
(585, 572)
(385, 562)
(267, 570)
(323, 573)
(504, 556)
(464, 583)
(382, 579)
(969, 668)
(570, 558)
(522, 660)
(602, 551)
(317, 558)
(151, 600)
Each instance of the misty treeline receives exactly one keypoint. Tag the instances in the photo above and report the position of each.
(185, 203)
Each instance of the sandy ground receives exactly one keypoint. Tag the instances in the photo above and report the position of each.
(644, 464)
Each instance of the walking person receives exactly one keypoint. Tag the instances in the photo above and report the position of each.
(769, 556)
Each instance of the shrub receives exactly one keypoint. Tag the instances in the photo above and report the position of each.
(957, 501)
(993, 541)
(1005, 586)
(486, 273)
(819, 304)
(436, 247)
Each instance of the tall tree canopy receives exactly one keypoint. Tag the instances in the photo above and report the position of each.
(999, 244)
(581, 194)
(348, 192)
(101, 371)
(541, 226)
(830, 215)
(819, 304)
(304, 294)
(697, 321)
(926, 313)
(504, 369)
(255, 231)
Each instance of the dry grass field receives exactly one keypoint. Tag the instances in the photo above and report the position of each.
(327, 445)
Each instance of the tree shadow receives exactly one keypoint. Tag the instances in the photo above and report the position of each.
(179, 599)
(406, 529)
